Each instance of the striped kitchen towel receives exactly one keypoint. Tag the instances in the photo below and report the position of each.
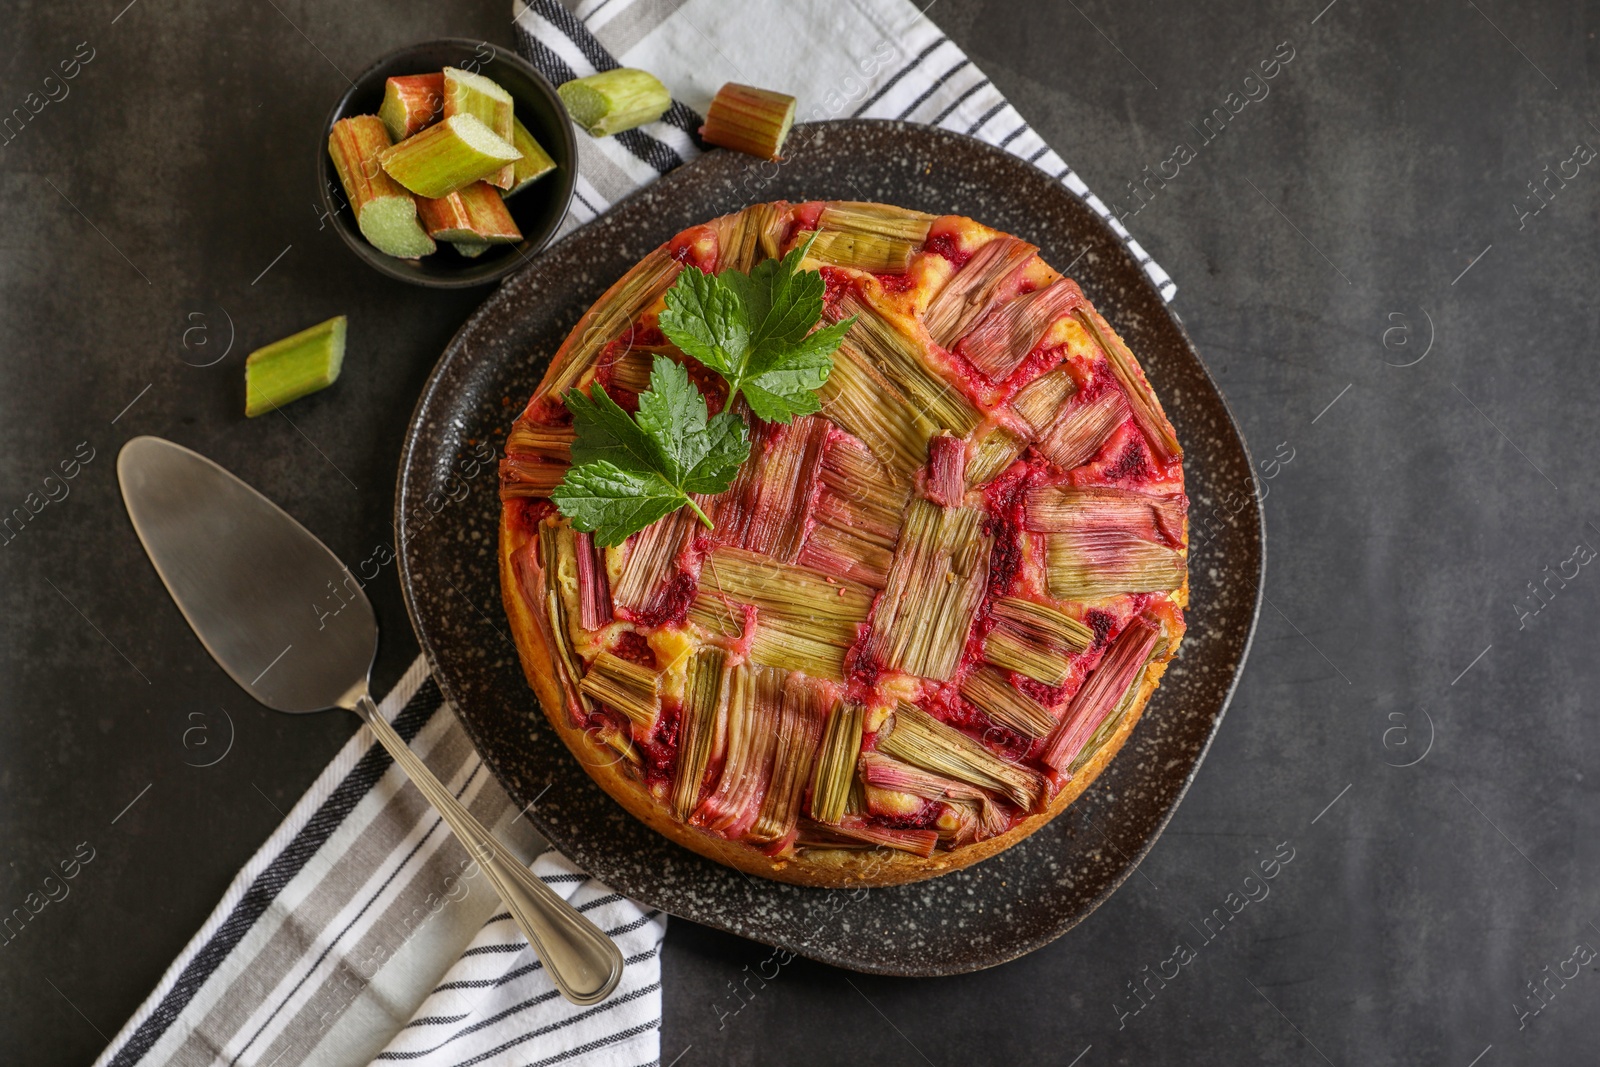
(361, 931)
(877, 59)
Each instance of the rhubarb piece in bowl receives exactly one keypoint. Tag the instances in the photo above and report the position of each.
(415, 90)
(919, 621)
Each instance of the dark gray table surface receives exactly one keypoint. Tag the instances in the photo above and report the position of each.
(1373, 210)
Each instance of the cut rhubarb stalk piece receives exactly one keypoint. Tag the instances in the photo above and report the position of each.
(880, 770)
(554, 559)
(772, 223)
(616, 738)
(860, 507)
(1141, 398)
(750, 120)
(856, 802)
(1093, 564)
(719, 618)
(940, 571)
(794, 753)
(1038, 402)
(294, 367)
(813, 837)
(973, 288)
(755, 703)
(747, 237)
(994, 452)
(535, 461)
(630, 372)
(914, 736)
(990, 692)
(785, 482)
(880, 344)
(1002, 339)
(605, 321)
(992, 820)
(1121, 667)
(882, 220)
(1041, 624)
(705, 695)
(474, 213)
(386, 213)
(594, 586)
(807, 620)
(836, 763)
(884, 772)
(859, 251)
(466, 93)
(783, 645)
(451, 153)
(535, 162)
(946, 482)
(1004, 648)
(1109, 724)
(861, 399)
(836, 550)
(917, 842)
(626, 686)
(547, 442)
(652, 561)
(615, 100)
(1058, 508)
(525, 476)
(470, 249)
(1081, 430)
(411, 103)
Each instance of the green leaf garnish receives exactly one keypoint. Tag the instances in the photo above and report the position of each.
(630, 471)
(755, 330)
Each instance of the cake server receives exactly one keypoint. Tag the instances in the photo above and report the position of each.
(251, 581)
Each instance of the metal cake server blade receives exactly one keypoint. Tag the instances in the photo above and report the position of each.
(249, 580)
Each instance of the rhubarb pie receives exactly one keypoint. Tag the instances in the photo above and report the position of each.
(923, 619)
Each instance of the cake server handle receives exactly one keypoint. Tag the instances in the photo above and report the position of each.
(584, 963)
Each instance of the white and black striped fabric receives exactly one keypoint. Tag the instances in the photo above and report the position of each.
(839, 58)
(361, 932)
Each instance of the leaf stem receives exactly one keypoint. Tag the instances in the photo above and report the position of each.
(735, 384)
(703, 518)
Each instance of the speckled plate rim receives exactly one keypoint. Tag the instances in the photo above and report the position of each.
(413, 485)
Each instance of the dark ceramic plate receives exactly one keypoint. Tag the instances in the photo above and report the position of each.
(447, 511)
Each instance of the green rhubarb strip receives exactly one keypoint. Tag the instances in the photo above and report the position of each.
(615, 100)
(466, 93)
(470, 249)
(386, 214)
(448, 155)
(294, 367)
(535, 162)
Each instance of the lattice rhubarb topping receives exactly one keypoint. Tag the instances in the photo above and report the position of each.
(918, 614)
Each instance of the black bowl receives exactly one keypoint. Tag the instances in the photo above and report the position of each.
(538, 209)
